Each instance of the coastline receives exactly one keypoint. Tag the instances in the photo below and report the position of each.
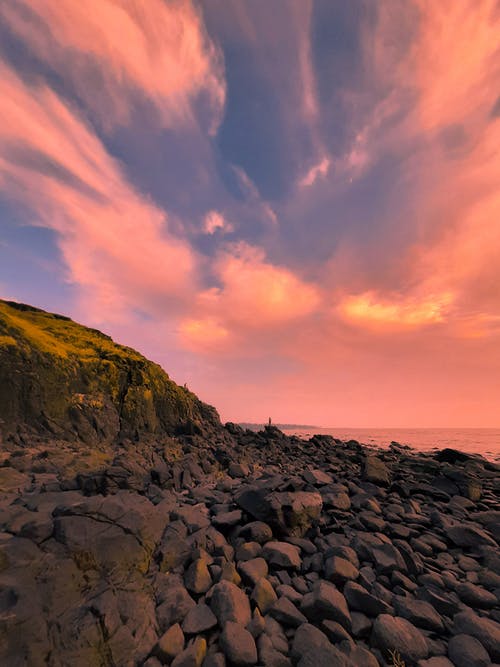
(229, 546)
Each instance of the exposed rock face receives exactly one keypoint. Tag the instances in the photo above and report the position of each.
(64, 380)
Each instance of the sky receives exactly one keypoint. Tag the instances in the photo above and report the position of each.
(292, 206)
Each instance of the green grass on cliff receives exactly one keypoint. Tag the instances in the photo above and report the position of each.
(51, 366)
(55, 334)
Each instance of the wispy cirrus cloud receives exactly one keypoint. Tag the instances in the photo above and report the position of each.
(111, 50)
(115, 242)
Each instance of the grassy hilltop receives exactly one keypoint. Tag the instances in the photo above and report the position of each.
(60, 378)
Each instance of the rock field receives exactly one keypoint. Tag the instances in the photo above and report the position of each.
(247, 549)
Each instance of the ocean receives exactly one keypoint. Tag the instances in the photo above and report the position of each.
(484, 441)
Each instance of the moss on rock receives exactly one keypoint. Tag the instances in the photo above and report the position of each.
(60, 378)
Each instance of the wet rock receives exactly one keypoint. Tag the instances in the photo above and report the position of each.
(238, 645)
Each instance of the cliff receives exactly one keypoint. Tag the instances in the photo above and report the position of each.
(61, 379)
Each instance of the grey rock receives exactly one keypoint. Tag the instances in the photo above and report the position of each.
(238, 645)
(197, 578)
(170, 644)
(393, 633)
(199, 619)
(257, 531)
(466, 651)
(325, 601)
(264, 595)
(282, 554)
(253, 570)
(338, 570)
(229, 603)
(291, 513)
(420, 613)
(484, 629)
(375, 471)
(361, 600)
(286, 613)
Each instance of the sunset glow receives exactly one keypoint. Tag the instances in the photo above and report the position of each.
(294, 207)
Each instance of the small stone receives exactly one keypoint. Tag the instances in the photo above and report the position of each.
(286, 612)
(339, 570)
(391, 633)
(485, 630)
(264, 595)
(466, 651)
(476, 596)
(199, 619)
(257, 531)
(197, 578)
(227, 519)
(253, 570)
(229, 603)
(326, 602)
(282, 554)
(375, 471)
(420, 613)
(170, 644)
(238, 645)
(214, 660)
(360, 599)
(193, 655)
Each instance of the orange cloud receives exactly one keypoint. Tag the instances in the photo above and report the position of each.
(115, 242)
(254, 296)
(396, 314)
(108, 48)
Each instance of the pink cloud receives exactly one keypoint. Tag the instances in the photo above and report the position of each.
(255, 296)
(115, 242)
(214, 221)
(108, 48)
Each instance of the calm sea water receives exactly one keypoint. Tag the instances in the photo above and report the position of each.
(485, 441)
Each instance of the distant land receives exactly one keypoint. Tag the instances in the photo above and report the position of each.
(257, 426)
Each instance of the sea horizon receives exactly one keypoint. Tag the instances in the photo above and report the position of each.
(473, 440)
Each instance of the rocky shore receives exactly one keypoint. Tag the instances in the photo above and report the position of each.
(222, 546)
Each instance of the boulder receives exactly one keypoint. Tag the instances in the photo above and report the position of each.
(282, 554)
(289, 513)
(375, 471)
(229, 603)
(238, 645)
(466, 651)
(392, 633)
